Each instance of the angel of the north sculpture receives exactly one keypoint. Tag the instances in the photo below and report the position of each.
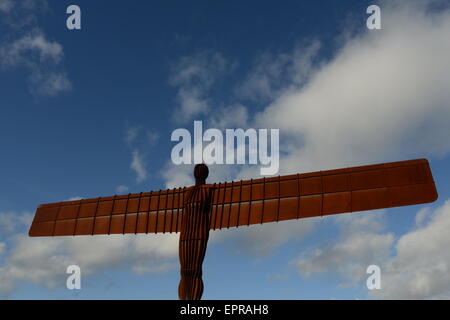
(195, 210)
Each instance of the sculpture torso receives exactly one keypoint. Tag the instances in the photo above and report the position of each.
(193, 241)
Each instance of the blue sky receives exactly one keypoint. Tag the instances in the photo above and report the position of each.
(87, 113)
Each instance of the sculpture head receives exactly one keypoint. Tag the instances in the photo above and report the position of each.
(201, 172)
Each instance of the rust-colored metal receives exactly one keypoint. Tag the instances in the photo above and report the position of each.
(194, 236)
(323, 193)
(146, 212)
(193, 211)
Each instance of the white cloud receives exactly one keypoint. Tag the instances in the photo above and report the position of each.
(422, 216)
(203, 68)
(138, 139)
(194, 76)
(360, 244)
(233, 116)
(44, 260)
(274, 74)
(416, 265)
(138, 166)
(191, 104)
(76, 198)
(50, 83)
(20, 50)
(262, 240)
(421, 266)
(41, 57)
(11, 221)
(384, 95)
(178, 176)
(7, 222)
(121, 189)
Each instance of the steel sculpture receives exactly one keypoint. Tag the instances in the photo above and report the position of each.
(193, 211)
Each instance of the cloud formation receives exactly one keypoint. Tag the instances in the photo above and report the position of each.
(32, 44)
(415, 265)
(273, 74)
(44, 260)
(194, 76)
(262, 240)
(139, 141)
(362, 242)
(138, 166)
(382, 96)
(30, 48)
(421, 266)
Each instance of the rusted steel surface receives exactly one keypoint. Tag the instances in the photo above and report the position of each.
(322, 193)
(245, 202)
(195, 210)
(194, 237)
(147, 212)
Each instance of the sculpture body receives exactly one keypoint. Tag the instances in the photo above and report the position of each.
(195, 210)
(193, 242)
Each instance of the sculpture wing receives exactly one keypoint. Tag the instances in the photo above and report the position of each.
(322, 193)
(150, 212)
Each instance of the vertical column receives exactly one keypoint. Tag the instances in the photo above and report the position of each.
(194, 236)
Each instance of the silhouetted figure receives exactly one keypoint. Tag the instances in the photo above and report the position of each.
(194, 236)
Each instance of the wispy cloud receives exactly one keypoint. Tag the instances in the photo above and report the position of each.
(194, 76)
(383, 96)
(131, 134)
(121, 189)
(44, 261)
(31, 49)
(259, 241)
(273, 74)
(415, 265)
(363, 242)
(11, 221)
(35, 44)
(41, 57)
(152, 138)
(139, 140)
(138, 166)
(76, 198)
